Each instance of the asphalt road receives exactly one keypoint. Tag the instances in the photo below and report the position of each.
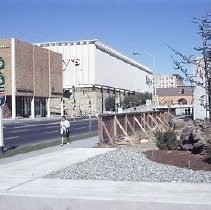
(28, 132)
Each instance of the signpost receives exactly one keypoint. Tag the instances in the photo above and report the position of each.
(2, 102)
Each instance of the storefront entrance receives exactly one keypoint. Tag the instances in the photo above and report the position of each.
(23, 106)
(40, 107)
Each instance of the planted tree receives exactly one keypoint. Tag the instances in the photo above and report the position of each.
(136, 99)
(110, 103)
(166, 139)
(201, 61)
(127, 102)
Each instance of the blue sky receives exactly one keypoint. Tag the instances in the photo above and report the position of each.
(125, 25)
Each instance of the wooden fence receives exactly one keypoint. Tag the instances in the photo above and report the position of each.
(112, 126)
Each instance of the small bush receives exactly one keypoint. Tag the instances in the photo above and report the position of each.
(166, 139)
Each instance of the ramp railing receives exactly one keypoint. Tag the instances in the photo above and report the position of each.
(113, 126)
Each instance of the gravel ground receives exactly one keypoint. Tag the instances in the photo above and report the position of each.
(125, 165)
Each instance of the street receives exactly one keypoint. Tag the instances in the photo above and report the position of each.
(28, 132)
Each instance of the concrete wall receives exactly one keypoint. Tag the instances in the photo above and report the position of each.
(41, 72)
(37, 72)
(77, 74)
(94, 63)
(199, 103)
(200, 96)
(114, 72)
(24, 69)
(55, 74)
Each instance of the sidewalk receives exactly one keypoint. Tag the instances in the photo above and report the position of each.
(84, 143)
(22, 186)
(41, 119)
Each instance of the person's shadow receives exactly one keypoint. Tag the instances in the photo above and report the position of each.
(10, 148)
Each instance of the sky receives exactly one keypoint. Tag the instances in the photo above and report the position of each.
(125, 25)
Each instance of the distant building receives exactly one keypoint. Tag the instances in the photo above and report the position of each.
(92, 72)
(33, 79)
(177, 95)
(168, 81)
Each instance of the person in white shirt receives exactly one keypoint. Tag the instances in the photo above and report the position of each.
(64, 129)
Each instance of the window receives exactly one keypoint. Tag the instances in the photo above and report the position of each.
(182, 91)
(182, 101)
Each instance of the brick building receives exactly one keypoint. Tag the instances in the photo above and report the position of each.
(177, 95)
(33, 79)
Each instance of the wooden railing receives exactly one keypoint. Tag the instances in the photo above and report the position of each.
(113, 126)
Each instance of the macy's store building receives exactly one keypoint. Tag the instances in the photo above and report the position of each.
(33, 80)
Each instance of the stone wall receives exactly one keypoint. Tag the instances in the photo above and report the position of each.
(55, 106)
(85, 100)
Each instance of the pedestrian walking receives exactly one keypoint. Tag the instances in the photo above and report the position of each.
(65, 130)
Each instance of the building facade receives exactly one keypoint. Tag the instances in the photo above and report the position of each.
(33, 79)
(178, 95)
(92, 71)
(168, 81)
(200, 94)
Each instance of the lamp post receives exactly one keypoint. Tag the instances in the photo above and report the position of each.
(151, 55)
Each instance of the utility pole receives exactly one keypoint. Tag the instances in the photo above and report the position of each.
(2, 102)
(90, 119)
(153, 56)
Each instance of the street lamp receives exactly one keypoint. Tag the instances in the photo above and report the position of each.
(151, 55)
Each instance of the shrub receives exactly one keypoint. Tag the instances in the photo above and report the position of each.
(166, 139)
(135, 100)
(110, 103)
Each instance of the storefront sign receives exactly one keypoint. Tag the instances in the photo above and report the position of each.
(2, 99)
(1, 63)
(2, 80)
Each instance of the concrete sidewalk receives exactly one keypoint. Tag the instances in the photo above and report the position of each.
(83, 143)
(22, 187)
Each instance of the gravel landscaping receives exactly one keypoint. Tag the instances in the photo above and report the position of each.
(125, 165)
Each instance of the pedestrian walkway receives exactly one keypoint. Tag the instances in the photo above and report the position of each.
(23, 187)
(84, 143)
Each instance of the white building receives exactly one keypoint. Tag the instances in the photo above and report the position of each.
(168, 81)
(92, 64)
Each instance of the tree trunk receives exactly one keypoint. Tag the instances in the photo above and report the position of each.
(209, 98)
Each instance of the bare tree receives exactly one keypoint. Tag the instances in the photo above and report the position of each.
(201, 61)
